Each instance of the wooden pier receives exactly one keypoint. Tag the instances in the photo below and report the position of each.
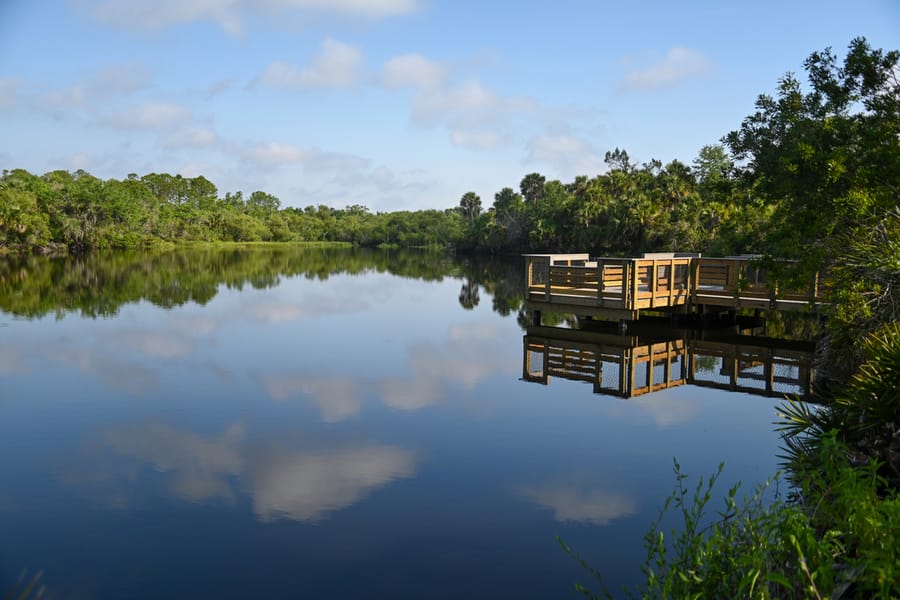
(619, 288)
(627, 366)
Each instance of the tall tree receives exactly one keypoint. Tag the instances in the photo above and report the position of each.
(829, 157)
(532, 187)
(470, 206)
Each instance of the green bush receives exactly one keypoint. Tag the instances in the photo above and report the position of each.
(842, 542)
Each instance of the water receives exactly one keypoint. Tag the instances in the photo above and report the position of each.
(310, 423)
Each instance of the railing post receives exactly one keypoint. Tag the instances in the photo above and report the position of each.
(693, 278)
(547, 284)
(599, 282)
(734, 269)
(634, 285)
(671, 282)
(529, 271)
(814, 291)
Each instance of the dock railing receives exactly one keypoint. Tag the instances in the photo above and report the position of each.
(743, 282)
(627, 366)
(659, 281)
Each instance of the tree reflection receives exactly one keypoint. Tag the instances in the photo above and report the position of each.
(99, 284)
(468, 295)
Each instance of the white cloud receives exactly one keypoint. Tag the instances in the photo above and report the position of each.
(471, 354)
(402, 394)
(109, 81)
(337, 397)
(110, 370)
(572, 503)
(274, 154)
(76, 95)
(476, 116)
(307, 486)
(191, 137)
(122, 79)
(365, 8)
(271, 312)
(199, 466)
(570, 154)
(334, 161)
(215, 88)
(470, 97)
(337, 66)
(151, 115)
(231, 14)
(484, 140)
(666, 412)
(156, 14)
(381, 180)
(159, 344)
(679, 64)
(304, 485)
(412, 70)
(270, 154)
(554, 147)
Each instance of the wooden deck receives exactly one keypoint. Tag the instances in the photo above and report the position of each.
(625, 366)
(619, 288)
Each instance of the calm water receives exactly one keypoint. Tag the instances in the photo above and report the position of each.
(315, 424)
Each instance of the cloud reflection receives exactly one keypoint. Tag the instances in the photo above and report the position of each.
(12, 361)
(667, 411)
(574, 503)
(299, 485)
(337, 397)
(306, 486)
(199, 466)
(471, 354)
(112, 371)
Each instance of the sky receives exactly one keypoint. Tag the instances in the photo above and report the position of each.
(394, 104)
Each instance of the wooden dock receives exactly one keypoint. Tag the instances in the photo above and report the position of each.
(619, 288)
(626, 366)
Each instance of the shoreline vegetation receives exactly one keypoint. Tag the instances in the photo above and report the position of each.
(824, 160)
(812, 175)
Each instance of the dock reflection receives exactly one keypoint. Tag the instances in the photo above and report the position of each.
(633, 365)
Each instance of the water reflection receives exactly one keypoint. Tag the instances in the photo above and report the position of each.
(99, 284)
(584, 504)
(338, 397)
(190, 438)
(435, 371)
(307, 486)
(632, 365)
(282, 482)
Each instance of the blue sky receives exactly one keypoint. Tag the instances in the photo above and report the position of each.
(394, 104)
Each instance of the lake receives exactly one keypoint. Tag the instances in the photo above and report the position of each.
(324, 423)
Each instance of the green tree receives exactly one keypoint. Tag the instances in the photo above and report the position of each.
(470, 206)
(532, 187)
(827, 158)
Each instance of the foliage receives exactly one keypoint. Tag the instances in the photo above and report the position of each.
(757, 548)
(827, 159)
(864, 415)
(75, 212)
(864, 291)
(98, 284)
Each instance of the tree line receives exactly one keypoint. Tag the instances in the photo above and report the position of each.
(629, 209)
(76, 212)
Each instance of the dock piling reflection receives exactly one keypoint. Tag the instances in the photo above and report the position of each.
(629, 365)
